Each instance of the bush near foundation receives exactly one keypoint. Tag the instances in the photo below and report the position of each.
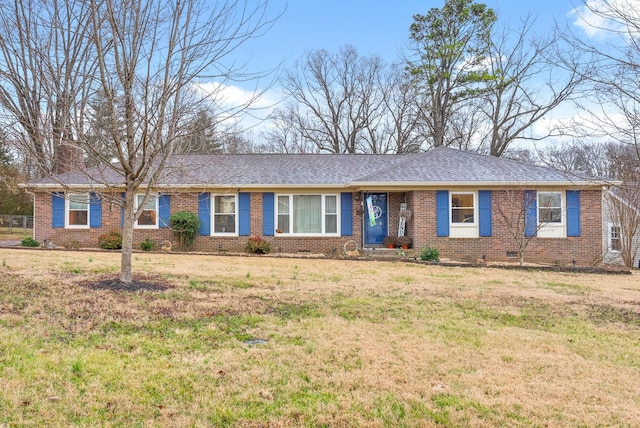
(30, 242)
(257, 245)
(110, 241)
(430, 254)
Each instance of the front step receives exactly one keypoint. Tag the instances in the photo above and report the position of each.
(388, 253)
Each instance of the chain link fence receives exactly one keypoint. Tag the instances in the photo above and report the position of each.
(15, 223)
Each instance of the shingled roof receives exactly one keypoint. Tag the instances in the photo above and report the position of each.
(438, 166)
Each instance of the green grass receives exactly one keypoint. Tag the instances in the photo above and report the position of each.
(565, 288)
(373, 346)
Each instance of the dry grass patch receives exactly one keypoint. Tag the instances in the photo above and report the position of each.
(342, 343)
(17, 234)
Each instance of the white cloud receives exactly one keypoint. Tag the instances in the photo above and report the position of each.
(593, 19)
(246, 108)
(230, 97)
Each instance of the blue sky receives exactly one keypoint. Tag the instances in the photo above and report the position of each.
(372, 26)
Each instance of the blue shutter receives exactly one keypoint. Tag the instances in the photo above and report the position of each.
(531, 213)
(57, 210)
(164, 214)
(346, 214)
(268, 214)
(95, 211)
(204, 214)
(244, 212)
(442, 212)
(573, 213)
(484, 212)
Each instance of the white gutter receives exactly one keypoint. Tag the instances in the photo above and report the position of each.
(408, 185)
(49, 186)
(449, 184)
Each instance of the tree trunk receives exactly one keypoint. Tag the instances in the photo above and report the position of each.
(127, 236)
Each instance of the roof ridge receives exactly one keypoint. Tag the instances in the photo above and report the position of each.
(573, 174)
(411, 158)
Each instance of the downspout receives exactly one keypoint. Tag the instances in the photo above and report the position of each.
(29, 192)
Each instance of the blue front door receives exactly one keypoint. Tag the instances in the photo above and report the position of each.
(375, 218)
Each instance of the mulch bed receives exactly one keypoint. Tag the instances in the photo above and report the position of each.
(138, 283)
(610, 270)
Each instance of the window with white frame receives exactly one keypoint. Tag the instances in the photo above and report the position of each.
(463, 208)
(549, 207)
(615, 240)
(307, 214)
(223, 214)
(77, 210)
(149, 216)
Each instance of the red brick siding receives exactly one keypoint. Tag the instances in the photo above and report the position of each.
(585, 249)
(394, 201)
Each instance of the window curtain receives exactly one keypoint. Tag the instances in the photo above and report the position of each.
(307, 214)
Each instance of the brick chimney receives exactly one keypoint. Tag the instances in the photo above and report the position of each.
(68, 158)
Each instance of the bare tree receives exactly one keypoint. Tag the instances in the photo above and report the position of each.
(614, 112)
(613, 109)
(611, 160)
(572, 157)
(100, 125)
(622, 207)
(235, 141)
(145, 57)
(467, 125)
(333, 98)
(513, 211)
(13, 199)
(398, 127)
(522, 217)
(346, 103)
(285, 136)
(45, 58)
(524, 84)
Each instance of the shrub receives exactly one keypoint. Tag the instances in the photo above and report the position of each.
(404, 241)
(147, 244)
(30, 242)
(110, 241)
(185, 226)
(430, 254)
(389, 241)
(73, 244)
(257, 245)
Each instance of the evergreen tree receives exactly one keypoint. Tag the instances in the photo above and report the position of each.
(200, 135)
(449, 49)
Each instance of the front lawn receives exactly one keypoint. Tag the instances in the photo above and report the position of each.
(268, 341)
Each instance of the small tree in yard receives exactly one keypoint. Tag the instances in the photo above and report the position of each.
(151, 64)
(623, 209)
(516, 210)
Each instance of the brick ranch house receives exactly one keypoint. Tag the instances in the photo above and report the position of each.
(453, 200)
